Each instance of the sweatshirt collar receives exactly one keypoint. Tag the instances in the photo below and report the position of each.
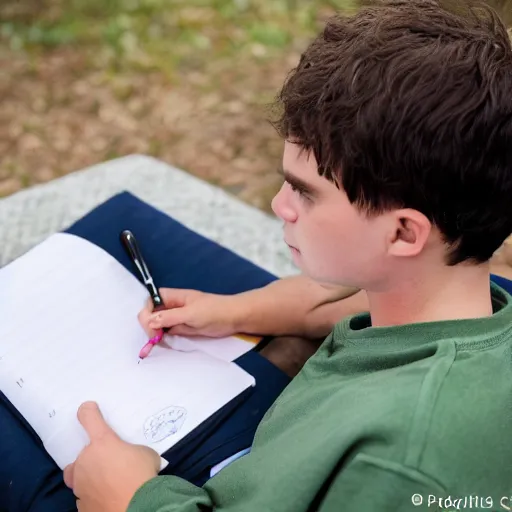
(356, 332)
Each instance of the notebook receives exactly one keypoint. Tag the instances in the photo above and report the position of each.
(69, 333)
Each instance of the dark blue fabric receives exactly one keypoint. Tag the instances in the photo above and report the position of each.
(506, 284)
(177, 256)
(180, 258)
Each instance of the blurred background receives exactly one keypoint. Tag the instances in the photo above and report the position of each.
(187, 81)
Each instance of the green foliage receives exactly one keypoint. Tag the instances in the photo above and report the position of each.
(163, 34)
(269, 34)
(156, 33)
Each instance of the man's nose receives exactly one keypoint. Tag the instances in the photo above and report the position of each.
(281, 205)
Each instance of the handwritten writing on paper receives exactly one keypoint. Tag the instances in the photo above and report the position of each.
(164, 424)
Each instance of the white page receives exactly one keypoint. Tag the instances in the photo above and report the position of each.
(227, 349)
(69, 333)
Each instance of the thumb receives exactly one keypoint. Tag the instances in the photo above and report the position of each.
(90, 417)
(153, 456)
(169, 318)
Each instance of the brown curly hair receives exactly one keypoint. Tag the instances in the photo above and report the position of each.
(407, 104)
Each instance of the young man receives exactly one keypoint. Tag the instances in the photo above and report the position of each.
(398, 179)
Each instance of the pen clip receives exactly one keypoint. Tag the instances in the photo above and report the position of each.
(132, 247)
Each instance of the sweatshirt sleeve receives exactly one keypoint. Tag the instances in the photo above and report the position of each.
(170, 494)
(365, 484)
(369, 483)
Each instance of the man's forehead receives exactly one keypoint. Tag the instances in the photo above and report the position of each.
(302, 165)
(298, 160)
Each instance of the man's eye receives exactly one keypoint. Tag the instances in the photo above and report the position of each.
(299, 191)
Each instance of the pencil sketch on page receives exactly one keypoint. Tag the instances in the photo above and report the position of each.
(164, 423)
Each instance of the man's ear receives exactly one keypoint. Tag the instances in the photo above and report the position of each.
(410, 233)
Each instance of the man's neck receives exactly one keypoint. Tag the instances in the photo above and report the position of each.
(453, 293)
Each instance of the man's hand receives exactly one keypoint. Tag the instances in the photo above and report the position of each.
(108, 472)
(193, 313)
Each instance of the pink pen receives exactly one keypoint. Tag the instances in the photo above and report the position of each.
(146, 349)
(132, 248)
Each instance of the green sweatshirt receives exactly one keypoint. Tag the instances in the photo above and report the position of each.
(380, 419)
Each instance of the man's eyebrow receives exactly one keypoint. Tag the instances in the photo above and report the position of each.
(299, 184)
